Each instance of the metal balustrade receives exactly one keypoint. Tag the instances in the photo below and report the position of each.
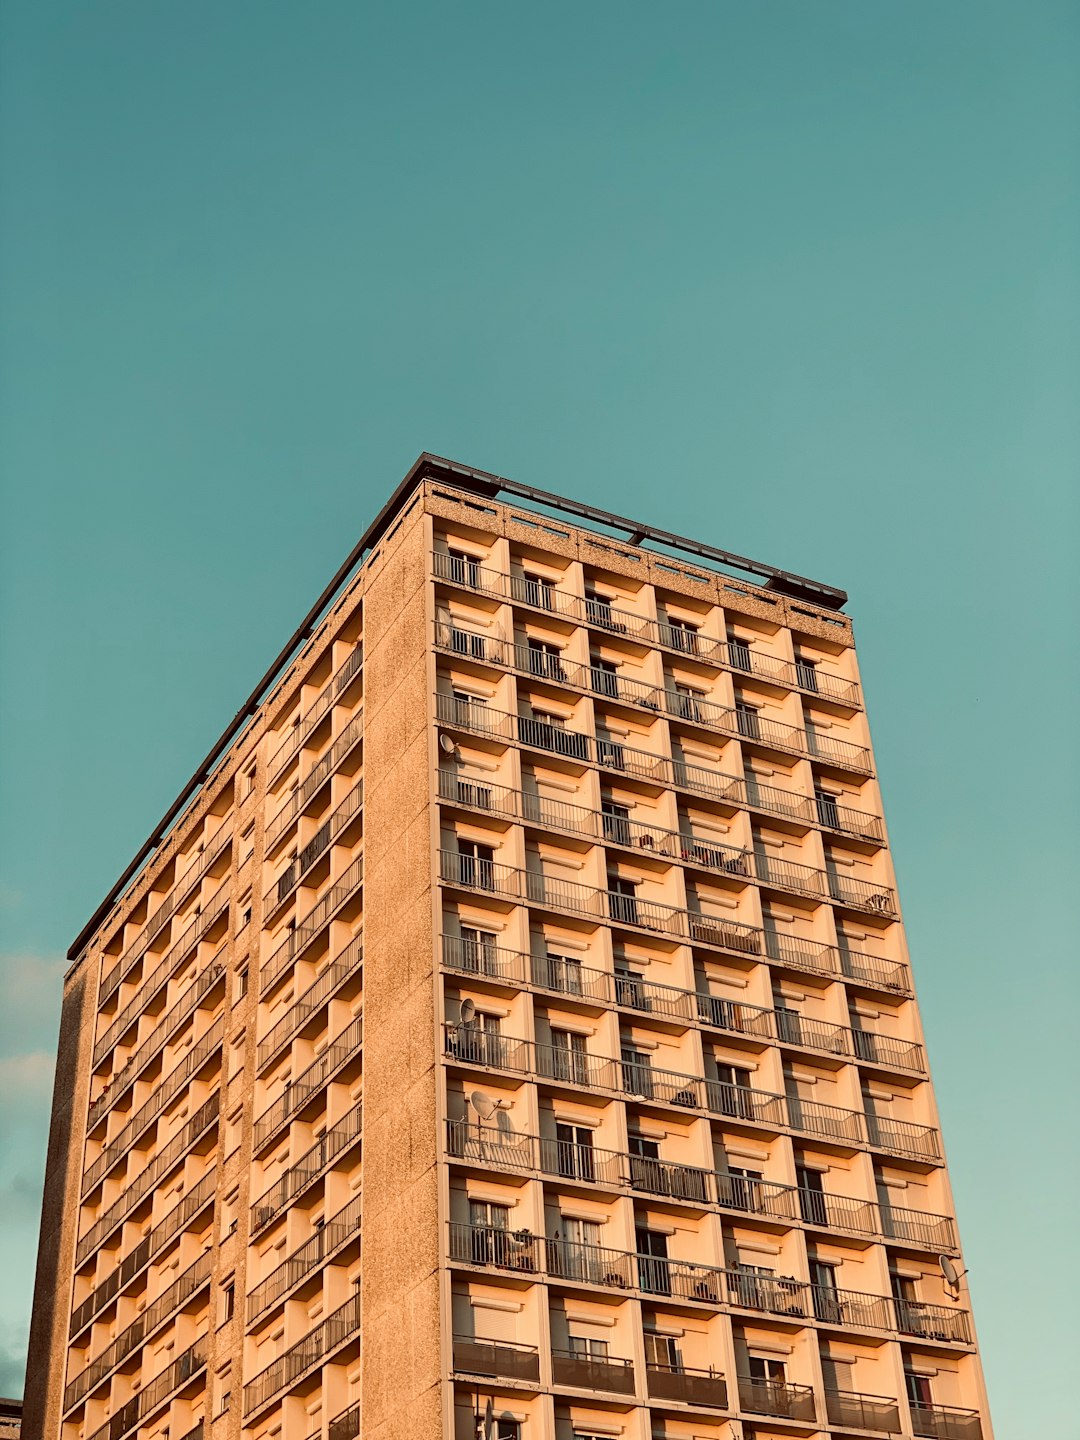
(321, 990)
(315, 1347)
(314, 850)
(130, 1415)
(600, 613)
(776, 1397)
(640, 1080)
(541, 734)
(317, 1250)
(175, 956)
(201, 1054)
(691, 1387)
(309, 1083)
(496, 1358)
(136, 1189)
(179, 893)
(505, 1149)
(592, 1372)
(312, 925)
(178, 1293)
(321, 706)
(918, 1227)
(931, 1322)
(903, 1136)
(309, 787)
(862, 1412)
(151, 1244)
(677, 845)
(945, 1422)
(307, 1169)
(846, 1308)
(164, 1031)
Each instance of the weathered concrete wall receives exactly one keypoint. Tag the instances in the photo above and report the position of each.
(400, 1238)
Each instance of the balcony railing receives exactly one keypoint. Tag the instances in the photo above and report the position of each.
(123, 1421)
(165, 1028)
(589, 1372)
(306, 791)
(691, 1387)
(195, 1278)
(316, 1077)
(638, 1079)
(200, 925)
(322, 989)
(306, 1258)
(932, 1322)
(315, 1347)
(601, 614)
(183, 1213)
(200, 1055)
(610, 754)
(312, 925)
(307, 1169)
(497, 1359)
(776, 1397)
(862, 1412)
(320, 707)
(341, 818)
(136, 1190)
(503, 1149)
(944, 1422)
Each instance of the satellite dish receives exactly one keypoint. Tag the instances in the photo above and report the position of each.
(951, 1274)
(467, 1014)
(483, 1104)
(489, 1420)
(446, 745)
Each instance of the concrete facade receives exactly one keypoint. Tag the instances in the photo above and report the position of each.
(513, 1033)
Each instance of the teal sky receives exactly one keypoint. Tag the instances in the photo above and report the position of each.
(799, 278)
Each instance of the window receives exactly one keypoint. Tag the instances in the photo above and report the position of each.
(476, 864)
(538, 590)
(838, 1375)
(827, 811)
(806, 673)
(748, 719)
(479, 1040)
(811, 1195)
(622, 901)
(463, 569)
(576, 1252)
(615, 820)
(465, 642)
(738, 653)
(654, 1272)
(569, 1061)
(629, 987)
(490, 1229)
(611, 754)
(741, 1188)
(598, 612)
(478, 951)
(919, 1392)
(544, 660)
(686, 702)
(605, 677)
(562, 973)
(636, 1071)
(681, 635)
(587, 1348)
(662, 1352)
(241, 984)
(574, 1157)
(827, 1304)
(228, 1301)
(733, 1093)
(766, 1371)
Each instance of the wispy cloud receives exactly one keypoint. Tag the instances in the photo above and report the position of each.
(13, 1345)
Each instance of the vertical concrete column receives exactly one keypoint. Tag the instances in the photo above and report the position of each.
(400, 1237)
(60, 1206)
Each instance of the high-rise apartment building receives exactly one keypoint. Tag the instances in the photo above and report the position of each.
(509, 1031)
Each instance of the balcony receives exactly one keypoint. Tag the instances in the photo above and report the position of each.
(308, 1352)
(586, 1372)
(846, 1308)
(310, 786)
(706, 1388)
(312, 925)
(862, 1412)
(944, 1422)
(318, 1075)
(307, 1169)
(932, 1322)
(597, 612)
(497, 1359)
(776, 1397)
(308, 1257)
